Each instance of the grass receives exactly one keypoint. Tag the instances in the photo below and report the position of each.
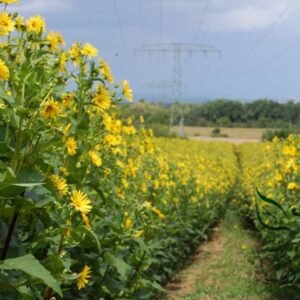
(222, 268)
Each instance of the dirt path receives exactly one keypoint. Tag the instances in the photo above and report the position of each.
(221, 269)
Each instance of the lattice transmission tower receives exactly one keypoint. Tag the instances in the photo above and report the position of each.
(178, 50)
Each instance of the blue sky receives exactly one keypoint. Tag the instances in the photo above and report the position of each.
(259, 40)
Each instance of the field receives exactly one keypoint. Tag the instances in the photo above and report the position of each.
(235, 135)
(93, 207)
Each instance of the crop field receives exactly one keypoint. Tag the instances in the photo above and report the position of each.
(233, 133)
(92, 207)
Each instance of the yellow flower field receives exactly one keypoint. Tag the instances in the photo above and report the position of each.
(91, 207)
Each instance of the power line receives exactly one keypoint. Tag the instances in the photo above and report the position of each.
(120, 26)
(141, 15)
(177, 49)
(279, 54)
(160, 20)
(199, 29)
(263, 37)
(163, 88)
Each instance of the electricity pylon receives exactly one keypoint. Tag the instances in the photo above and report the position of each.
(178, 49)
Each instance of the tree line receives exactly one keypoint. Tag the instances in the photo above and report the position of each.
(262, 113)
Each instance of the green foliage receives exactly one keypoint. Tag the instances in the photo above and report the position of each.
(273, 207)
(216, 132)
(32, 267)
(284, 248)
(261, 113)
(270, 134)
(90, 208)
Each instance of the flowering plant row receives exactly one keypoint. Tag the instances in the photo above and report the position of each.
(269, 194)
(90, 207)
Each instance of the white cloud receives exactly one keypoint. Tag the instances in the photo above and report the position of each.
(43, 6)
(236, 15)
(249, 16)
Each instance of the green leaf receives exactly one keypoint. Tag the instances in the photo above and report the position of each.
(25, 292)
(267, 225)
(8, 99)
(122, 267)
(27, 184)
(270, 201)
(5, 150)
(31, 266)
(92, 235)
(8, 190)
(11, 187)
(295, 212)
(29, 177)
(98, 190)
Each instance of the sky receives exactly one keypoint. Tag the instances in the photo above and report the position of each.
(258, 40)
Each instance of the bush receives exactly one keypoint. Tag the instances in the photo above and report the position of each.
(160, 130)
(216, 132)
(270, 134)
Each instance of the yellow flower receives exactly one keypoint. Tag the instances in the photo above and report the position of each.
(67, 98)
(63, 58)
(89, 50)
(147, 204)
(50, 109)
(127, 91)
(107, 121)
(289, 150)
(7, 24)
(9, 1)
(292, 186)
(113, 140)
(138, 233)
(36, 24)
(244, 247)
(142, 119)
(60, 184)
(102, 98)
(67, 129)
(105, 70)
(55, 39)
(279, 177)
(19, 23)
(86, 220)
(143, 187)
(125, 183)
(120, 193)
(107, 171)
(71, 146)
(158, 212)
(128, 221)
(83, 279)
(4, 71)
(75, 53)
(94, 156)
(64, 171)
(81, 202)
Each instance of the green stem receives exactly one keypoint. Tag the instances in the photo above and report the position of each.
(9, 234)
(48, 293)
(133, 275)
(16, 157)
(49, 290)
